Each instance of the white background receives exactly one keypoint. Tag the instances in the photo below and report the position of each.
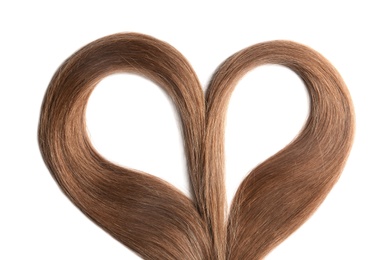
(132, 122)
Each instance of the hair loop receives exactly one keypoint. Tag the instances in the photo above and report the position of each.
(152, 217)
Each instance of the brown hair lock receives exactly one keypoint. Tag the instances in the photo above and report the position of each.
(152, 217)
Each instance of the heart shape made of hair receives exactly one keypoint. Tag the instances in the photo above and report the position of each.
(151, 216)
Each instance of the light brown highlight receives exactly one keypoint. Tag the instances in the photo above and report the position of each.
(152, 217)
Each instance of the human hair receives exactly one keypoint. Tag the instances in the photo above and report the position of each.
(152, 217)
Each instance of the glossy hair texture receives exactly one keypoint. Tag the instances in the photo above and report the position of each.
(152, 217)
